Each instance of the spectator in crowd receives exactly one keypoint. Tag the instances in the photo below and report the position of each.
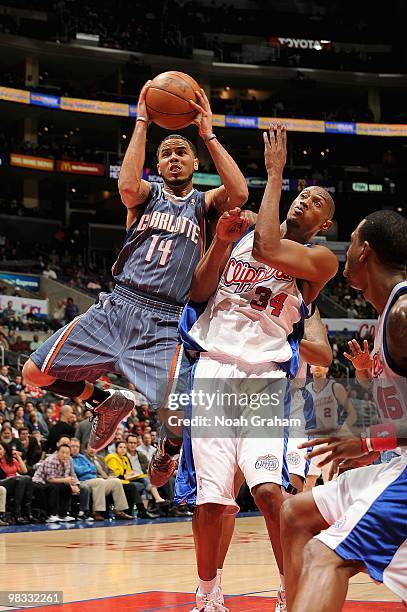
(83, 429)
(14, 478)
(3, 339)
(16, 385)
(147, 447)
(8, 314)
(120, 464)
(48, 272)
(35, 424)
(63, 427)
(32, 450)
(4, 410)
(3, 497)
(71, 310)
(35, 343)
(139, 466)
(7, 436)
(86, 472)
(19, 345)
(55, 485)
(4, 379)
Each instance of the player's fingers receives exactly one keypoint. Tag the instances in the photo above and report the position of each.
(320, 451)
(144, 90)
(356, 346)
(365, 346)
(316, 442)
(197, 106)
(266, 140)
(203, 95)
(350, 357)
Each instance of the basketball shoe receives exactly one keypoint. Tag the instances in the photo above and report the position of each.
(161, 466)
(108, 415)
(281, 605)
(211, 602)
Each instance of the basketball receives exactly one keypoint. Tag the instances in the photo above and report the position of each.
(168, 98)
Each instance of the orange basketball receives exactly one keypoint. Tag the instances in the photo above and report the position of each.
(167, 99)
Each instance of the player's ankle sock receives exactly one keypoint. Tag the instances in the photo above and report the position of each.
(98, 396)
(282, 581)
(219, 572)
(66, 388)
(172, 447)
(207, 586)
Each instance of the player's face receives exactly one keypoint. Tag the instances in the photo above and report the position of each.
(319, 371)
(354, 267)
(176, 162)
(310, 210)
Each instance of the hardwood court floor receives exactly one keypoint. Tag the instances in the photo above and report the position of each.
(151, 566)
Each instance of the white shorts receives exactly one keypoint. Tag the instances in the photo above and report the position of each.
(296, 462)
(261, 459)
(367, 510)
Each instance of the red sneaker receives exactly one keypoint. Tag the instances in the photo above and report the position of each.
(161, 466)
(107, 417)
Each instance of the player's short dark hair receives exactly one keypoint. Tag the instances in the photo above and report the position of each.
(386, 233)
(170, 136)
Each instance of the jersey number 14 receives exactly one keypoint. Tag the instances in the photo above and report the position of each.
(165, 247)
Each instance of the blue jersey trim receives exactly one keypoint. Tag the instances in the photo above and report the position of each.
(189, 317)
(376, 538)
(389, 360)
(291, 366)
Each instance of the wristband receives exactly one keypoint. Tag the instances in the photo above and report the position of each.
(211, 137)
(383, 437)
(142, 119)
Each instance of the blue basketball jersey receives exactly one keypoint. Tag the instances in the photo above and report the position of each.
(163, 246)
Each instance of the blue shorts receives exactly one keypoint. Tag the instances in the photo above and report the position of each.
(366, 509)
(125, 333)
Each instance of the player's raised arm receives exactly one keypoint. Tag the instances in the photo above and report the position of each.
(231, 226)
(315, 347)
(317, 264)
(233, 192)
(133, 189)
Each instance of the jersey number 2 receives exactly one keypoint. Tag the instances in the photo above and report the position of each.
(165, 247)
(264, 299)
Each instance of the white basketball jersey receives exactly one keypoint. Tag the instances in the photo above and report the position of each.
(389, 383)
(326, 407)
(256, 314)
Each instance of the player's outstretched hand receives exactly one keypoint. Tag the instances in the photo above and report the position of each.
(232, 225)
(338, 447)
(360, 359)
(141, 104)
(275, 148)
(204, 117)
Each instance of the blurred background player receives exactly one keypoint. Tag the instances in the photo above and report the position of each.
(133, 331)
(332, 410)
(359, 520)
(268, 309)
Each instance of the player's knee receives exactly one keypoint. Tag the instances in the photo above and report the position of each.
(318, 555)
(32, 374)
(268, 498)
(209, 513)
(290, 519)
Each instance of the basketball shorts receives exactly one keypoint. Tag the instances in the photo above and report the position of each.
(125, 333)
(238, 439)
(366, 509)
(296, 462)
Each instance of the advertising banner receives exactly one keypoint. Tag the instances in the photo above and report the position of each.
(363, 326)
(95, 106)
(29, 161)
(75, 167)
(25, 305)
(293, 125)
(39, 99)
(24, 281)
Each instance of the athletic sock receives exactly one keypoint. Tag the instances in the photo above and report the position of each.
(219, 575)
(98, 396)
(207, 586)
(172, 447)
(282, 581)
(66, 388)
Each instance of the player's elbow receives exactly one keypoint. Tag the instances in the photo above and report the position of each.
(261, 251)
(242, 195)
(325, 356)
(128, 194)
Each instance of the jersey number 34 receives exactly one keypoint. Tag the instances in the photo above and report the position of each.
(265, 299)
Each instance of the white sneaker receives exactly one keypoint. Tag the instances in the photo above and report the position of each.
(68, 519)
(54, 518)
(212, 602)
(281, 605)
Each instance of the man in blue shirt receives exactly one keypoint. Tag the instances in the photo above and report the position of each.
(87, 475)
